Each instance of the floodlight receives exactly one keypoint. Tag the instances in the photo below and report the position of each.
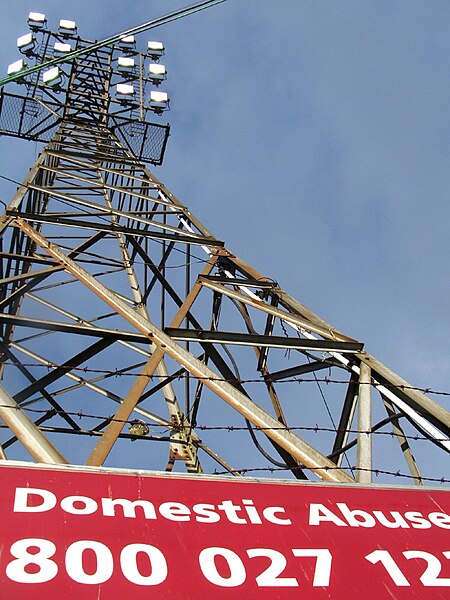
(159, 96)
(125, 63)
(67, 27)
(156, 73)
(36, 20)
(61, 48)
(155, 49)
(16, 67)
(52, 77)
(124, 92)
(25, 43)
(127, 43)
(159, 101)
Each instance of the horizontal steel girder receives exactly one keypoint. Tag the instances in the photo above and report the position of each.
(269, 341)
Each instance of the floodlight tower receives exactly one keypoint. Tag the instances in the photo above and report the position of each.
(125, 320)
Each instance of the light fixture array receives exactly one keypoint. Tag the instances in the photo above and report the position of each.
(28, 44)
(131, 73)
(135, 70)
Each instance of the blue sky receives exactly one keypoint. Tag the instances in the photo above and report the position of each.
(313, 138)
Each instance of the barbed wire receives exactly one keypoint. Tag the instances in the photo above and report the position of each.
(233, 428)
(229, 428)
(242, 471)
(265, 380)
(376, 472)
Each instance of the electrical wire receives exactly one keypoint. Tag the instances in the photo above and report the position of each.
(10, 180)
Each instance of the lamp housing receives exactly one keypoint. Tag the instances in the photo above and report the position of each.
(127, 43)
(125, 64)
(157, 73)
(62, 48)
(155, 50)
(26, 43)
(36, 21)
(124, 92)
(53, 77)
(67, 27)
(16, 67)
(159, 101)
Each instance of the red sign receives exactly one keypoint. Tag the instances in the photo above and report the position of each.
(100, 534)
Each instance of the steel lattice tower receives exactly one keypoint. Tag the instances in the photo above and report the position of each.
(125, 320)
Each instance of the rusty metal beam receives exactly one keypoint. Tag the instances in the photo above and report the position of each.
(294, 445)
(276, 312)
(105, 444)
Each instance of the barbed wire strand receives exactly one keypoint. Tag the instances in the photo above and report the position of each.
(376, 472)
(328, 380)
(229, 428)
